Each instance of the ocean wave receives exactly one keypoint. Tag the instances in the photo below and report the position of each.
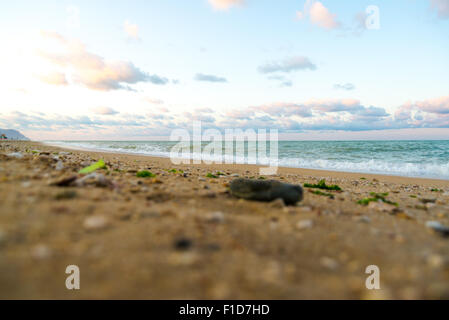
(321, 156)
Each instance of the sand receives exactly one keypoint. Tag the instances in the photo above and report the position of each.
(181, 235)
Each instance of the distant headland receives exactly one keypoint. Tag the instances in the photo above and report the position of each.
(10, 134)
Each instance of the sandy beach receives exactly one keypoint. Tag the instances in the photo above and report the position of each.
(181, 235)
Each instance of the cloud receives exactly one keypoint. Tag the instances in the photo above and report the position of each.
(288, 65)
(310, 115)
(54, 78)
(131, 30)
(284, 82)
(438, 105)
(346, 86)
(442, 7)
(225, 4)
(209, 78)
(154, 101)
(93, 71)
(105, 111)
(283, 109)
(318, 15)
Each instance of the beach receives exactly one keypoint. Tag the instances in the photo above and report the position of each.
(180, 233)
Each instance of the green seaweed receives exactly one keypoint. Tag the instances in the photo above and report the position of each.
(319, 193)
(262, 178)
(145, 174)
(93, 167)
(322, 185)
(362, 178)
(436, 190)
(376, 197)
(412, 196)
(175, 171)
(210, 175)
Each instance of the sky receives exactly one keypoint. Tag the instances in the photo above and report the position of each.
(135, 70)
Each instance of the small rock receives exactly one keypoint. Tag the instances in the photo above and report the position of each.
(304, 224)
(266, 190)
(16, 155)
(94, 223)
(26, 184)
(235, 175)
(215, 217)
(183, 244)
(41, 252)
(363, 219)
(435, 261)
(382, 206)
(278, 203)
(438, 227)
(59, 166)
(427, 200)
(329, 263)
(64, 182)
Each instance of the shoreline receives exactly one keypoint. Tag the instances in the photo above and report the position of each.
(181, 234)
(305, 171)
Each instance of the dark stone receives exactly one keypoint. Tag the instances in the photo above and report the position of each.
(266, 190)
(183, 244)
(65, 182)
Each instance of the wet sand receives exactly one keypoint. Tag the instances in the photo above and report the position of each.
(181, 235)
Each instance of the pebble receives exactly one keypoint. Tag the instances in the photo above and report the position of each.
(382, 206)
(64, 182)
(278, 203)
(329, 263)
(363, 219)
(304, 224)
(40, 252)
(215, 217)
(183, 244)
(427, 200)
(16, 155)
(266, 190)
(438, 227)
(435, 261)
(59, 166)
(95, 223)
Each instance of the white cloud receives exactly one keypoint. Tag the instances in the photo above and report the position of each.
(318, 15)
(225, 4)
(344, 86)
(54, 78)
(105, 111)
(92, 70)
(154, 101)
(288, 65)
(131, 30)
(209, 78)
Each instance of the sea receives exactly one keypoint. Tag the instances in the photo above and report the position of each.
(420, 158)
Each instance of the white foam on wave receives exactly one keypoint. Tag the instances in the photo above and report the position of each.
(375, 166)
